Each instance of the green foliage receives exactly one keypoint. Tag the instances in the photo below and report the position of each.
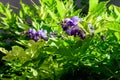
(91, 6)
(62, 57)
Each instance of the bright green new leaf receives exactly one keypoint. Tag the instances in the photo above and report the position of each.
(53, 15)
(61, 8)
(23, 26)
(113, 26)
(3, 50)
(92, 4)
(117, 10)
(117, 34)
(16, 52)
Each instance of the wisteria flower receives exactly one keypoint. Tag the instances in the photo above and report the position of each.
(70, 26)
(36, 35)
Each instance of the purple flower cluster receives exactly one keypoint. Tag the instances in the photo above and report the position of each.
(70, 26)
(36, 35)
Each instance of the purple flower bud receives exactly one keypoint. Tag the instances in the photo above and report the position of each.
(45, 38)
(30, 30)
(64, 27)
(68, 31)
(103, 37)
(38, 33)
(30, 36)
(91, 28)
(53, 34)
(33, 32)
(43, 33)
(75, 30)
(36, 38)
(68, 22)
(75, 20)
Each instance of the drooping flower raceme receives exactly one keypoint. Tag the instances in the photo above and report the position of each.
(70, 26)
(36, 35)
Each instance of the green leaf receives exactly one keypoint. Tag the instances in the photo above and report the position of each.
(115, 26)
(48, 2)
(36, 25)
(53, 15)
(61, 8)
(35, 73)
(23, 42)
(85, 45)
(117, 10)
(3, 50)
(117, 34)
(23, 26)
(97, 11)
(111, 25)
(16, 52)
(8, 12)
(92, 4)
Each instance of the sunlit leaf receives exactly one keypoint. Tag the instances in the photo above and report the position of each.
(92, 4)
(117, 34)
(61, 8)
(53, 15)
